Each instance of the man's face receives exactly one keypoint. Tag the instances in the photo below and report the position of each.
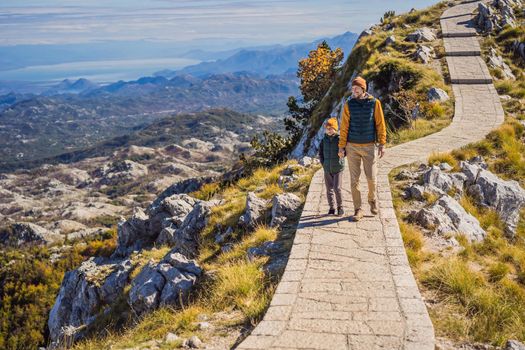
(357, 91)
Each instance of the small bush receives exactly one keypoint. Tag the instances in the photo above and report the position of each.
(498, 271)
(437, 158)
(433, 110)
(243, 287)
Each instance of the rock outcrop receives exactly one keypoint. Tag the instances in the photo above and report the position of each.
(121, 171)
(85, 293)
(437, 95)
(496, 61)
(175, 221)
(133, 233)
(424, 54)
(166, 283)
(421, 35)
(185, 238)
(505, 197)
(26, 233)
(284, 206)
(496, 15)
(446, 216)
(254, 212)
(444, 181)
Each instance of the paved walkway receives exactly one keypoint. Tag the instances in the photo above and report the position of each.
(348, 285)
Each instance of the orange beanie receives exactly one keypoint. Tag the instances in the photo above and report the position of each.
(332, 123)
(359, 82)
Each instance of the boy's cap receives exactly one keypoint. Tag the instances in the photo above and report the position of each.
(359, 82)
(332, 123)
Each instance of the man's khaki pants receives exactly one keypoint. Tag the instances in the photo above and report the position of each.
(355, 154)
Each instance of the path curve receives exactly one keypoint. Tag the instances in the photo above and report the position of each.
(348, 285)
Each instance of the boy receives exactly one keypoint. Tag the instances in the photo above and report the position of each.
(333, 166)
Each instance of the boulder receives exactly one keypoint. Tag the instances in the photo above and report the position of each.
(519, 48)
(133, 233)
(407, 175)
(284, 206)
(445, 216)
(390, 40)
(193, 343)
(185, 237)
(364, 34)
(514, 345)
(496, 61)
(171, 337)
(417, 192)
(26, 233)
(424, 54)
(268, 248)
(485, 19)
(445, 167)
(443, 181)
(306, 161)
(505, 197)
(437, 94)
(276, 265)
(167, 283)
(184, 186)
(221, 237)
(84, 294)
(286, 181)
(254, 212)
(173, 209)
(424, 34)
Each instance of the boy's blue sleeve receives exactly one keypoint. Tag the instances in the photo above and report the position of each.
(321, 153)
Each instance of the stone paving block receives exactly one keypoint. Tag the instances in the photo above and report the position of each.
(257, 342)
(311, 340)
(278, 313)
(266, 327)
(283, 299)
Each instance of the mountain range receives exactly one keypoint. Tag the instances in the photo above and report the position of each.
(39, 127)
(275, 59)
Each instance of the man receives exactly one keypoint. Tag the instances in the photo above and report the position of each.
(362, 125)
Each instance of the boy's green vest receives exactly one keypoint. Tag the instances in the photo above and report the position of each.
(362, 127)
(331, 161)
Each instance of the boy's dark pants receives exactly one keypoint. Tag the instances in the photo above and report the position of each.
(333, 184)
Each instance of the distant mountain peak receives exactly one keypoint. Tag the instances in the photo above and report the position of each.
(268, 60)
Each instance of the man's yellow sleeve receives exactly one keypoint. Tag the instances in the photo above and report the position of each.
(380, 123)
(345, 123)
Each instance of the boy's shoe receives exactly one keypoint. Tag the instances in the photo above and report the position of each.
(373, 207)
(340, 211)
(331, 211)
(358, 215)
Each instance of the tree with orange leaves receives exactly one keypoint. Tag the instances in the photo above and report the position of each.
(317, 72)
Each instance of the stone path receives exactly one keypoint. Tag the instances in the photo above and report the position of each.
(348, 285)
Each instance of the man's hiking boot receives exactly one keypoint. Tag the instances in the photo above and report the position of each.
(340, 211)
(373, 207)
(358, 215)
(331, 211)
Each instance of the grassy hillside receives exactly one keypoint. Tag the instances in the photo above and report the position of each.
(395, 74)
(235, 291)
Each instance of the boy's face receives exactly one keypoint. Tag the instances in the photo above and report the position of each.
(330, 131)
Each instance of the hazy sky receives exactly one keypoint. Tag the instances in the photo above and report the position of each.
(251, 22)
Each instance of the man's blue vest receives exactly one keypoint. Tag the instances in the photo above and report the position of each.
(362, 128)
